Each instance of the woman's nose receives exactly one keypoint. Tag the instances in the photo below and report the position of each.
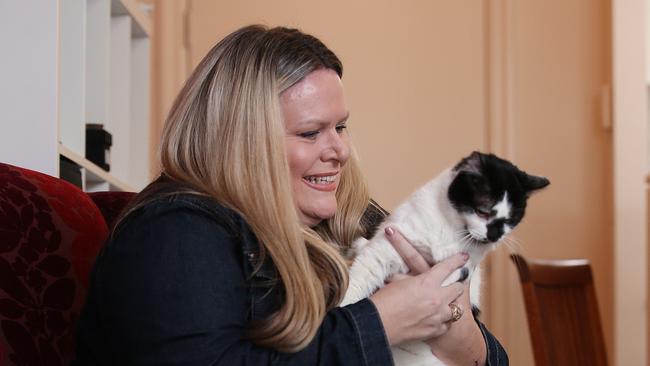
(337, 148)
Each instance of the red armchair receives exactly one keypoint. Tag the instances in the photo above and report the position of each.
(50, 234)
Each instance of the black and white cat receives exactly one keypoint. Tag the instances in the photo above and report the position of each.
(467, 208)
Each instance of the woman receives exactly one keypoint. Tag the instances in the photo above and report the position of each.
(233, 256)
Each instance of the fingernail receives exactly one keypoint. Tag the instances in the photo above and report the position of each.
(465, 256)
(389, 231)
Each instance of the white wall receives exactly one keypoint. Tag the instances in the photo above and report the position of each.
(140, 139)
(28, 91)
(630, 148)
(119, 97)
(72, 69)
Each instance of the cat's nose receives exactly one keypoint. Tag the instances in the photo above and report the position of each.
(495, 231)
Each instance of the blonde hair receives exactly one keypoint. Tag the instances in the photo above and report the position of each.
(224, 137)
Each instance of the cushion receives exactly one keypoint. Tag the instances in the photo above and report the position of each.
(50, 234)
(111, 204)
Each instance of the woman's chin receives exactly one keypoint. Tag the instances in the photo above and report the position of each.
(314, 217)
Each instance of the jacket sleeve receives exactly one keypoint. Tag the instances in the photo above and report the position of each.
(496, 354)
(170, 289)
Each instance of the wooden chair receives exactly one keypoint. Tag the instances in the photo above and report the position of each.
(562, 311)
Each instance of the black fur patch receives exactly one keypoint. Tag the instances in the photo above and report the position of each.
(372, 218)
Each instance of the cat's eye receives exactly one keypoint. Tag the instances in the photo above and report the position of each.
(482, 213)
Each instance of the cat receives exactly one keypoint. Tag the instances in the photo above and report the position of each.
(467, 208)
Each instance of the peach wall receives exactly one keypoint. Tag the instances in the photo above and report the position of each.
(415, 96)
(559, 62)
(549, 62)
(170, 66)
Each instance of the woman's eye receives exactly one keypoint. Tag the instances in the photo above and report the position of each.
(341, 127)
(309, 135)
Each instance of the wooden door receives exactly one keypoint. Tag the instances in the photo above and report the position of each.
(550, 63)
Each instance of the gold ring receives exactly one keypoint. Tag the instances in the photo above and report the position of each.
(456, 311)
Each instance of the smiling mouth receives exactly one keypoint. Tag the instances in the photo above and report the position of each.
(321, 182)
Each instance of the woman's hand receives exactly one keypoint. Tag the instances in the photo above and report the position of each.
(463, 343)
(417, 307)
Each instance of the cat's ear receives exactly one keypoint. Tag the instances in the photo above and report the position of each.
(534, 183)
(472, 163)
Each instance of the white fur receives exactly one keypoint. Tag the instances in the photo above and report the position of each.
(503, 207)
(435, 228)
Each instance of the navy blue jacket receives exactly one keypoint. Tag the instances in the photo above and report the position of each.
(175, 285)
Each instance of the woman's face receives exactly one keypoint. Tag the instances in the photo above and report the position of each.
(317, 144)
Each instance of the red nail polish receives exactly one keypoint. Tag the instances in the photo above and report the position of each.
(389, 231)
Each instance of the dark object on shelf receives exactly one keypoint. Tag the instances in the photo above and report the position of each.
(70, 171)
(98, 145)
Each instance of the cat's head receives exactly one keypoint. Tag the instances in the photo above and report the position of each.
(490, 195)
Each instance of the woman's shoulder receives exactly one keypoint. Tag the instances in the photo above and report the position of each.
(192, 202)
(181, 222)
(199, 207)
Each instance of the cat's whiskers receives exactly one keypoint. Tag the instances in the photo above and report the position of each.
(518, 244)
(458, 236)
(466, 241)
(512, 244)
(461, 234)
(475, 235)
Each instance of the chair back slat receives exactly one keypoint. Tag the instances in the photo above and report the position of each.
(562, 311)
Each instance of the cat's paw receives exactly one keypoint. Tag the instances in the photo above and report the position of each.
(459, 275)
